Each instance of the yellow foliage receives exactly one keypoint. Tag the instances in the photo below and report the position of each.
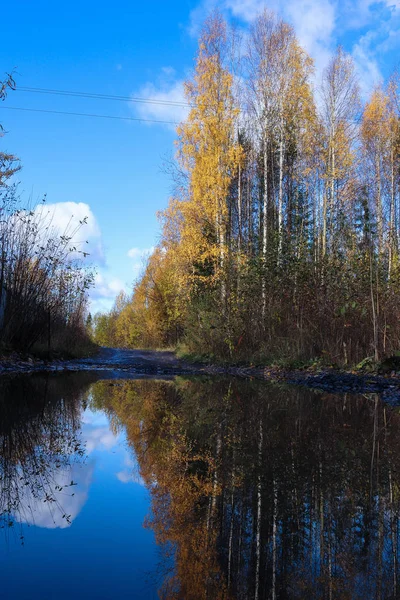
(209, 152)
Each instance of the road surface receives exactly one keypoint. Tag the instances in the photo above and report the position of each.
(135, 361)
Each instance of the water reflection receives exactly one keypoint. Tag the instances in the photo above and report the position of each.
(261, 492)
(256, 491)
(40, 450)
(71, 509)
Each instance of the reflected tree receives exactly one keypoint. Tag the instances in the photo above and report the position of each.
(39, 441)
(266, 492)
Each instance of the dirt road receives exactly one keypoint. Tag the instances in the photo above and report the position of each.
(153, 363)
(145, 361)
(121, 363)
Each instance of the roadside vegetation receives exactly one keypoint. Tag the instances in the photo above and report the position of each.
(43, 279)
(281, 239)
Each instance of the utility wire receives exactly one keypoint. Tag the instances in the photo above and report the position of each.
(77, 114)
(96, 96)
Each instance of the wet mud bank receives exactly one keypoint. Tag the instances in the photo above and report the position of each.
(119, 362)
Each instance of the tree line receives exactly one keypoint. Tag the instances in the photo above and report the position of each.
(298, 498)
(281, 237)
(43, 281)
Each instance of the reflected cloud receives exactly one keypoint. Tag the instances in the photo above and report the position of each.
(126, 476)
(131, 473)
(60, 509)
(96, 432)
(99, 438)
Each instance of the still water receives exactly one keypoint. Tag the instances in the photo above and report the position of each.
(195, 488)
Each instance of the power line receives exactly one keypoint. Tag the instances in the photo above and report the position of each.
(96, 96)
(93, 115)
(77, 114)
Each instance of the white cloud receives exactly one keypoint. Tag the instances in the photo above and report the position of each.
(321, 25)
(248, 10)
(77, 220)
(168, 100)
(199, 14)
(95, 418)
(128, 477)
(366, 65)
(124, 476)
(374, 52)
(99, 438)
(313, 20)
(307, 17)
(376, 15)
(139, 256)
(51, 515)
(96, 432)
(129, 462)
(140, 252)
(131, 474)
(106, 289)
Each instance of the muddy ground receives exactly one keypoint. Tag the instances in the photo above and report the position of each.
(136, 363)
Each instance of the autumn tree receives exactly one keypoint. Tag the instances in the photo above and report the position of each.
(281, 240)
(208, 150)
(8, 162)
(340, 107)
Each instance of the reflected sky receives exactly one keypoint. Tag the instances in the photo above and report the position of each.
(214, 489)
(68, 502)
(102, 549)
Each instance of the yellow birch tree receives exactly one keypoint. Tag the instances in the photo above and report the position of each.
(209, 152)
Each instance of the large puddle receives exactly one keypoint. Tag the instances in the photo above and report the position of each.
(195, 488)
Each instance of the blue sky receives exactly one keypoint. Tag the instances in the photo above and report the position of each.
(111, 170)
